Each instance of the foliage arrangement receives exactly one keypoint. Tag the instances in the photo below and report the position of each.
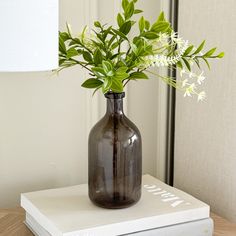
(113, 59)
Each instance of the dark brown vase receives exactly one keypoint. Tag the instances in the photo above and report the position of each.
(115, 158)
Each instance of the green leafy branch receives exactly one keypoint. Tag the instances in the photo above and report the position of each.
(195, 55)
(111, 66)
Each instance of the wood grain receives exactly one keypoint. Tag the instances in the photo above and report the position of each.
(223, 227)
(12, 224)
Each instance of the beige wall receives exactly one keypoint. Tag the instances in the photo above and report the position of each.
(205, 150)
(43, 126)
(44, 121)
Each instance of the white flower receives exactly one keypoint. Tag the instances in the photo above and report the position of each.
(163, 38)
(191, 75)
(190, 90)
(187, 93)
(184, 82)
(201, 78)
(173, 35)
(183, 48)
(179, 41)
(176, 39)
(163, 60)
(192, 86)
(201, 96)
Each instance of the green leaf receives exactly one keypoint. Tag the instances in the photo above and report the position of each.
(87, 56)
(179, 64)
(110, 73)
(64, 35)
(150, 35)
(72, 52)
(134, 49)
(129, 11)
(199, 49)
(117, 85)
(126, 27)
(207, 63)
(147, 51)
(98, 44)
(188, 50)
(107, 66)
(98, 57)
(106, 32)
(138, 75)
(197, 62)
(97, 24)
(120, 20)
(115, 55)
(121, 70)
(100, 37)
(147, 25)
(160, 26)
(120, 34)
(209, 53)
(187, 64)
(115, 45)
(125, 4)
(106, 85)
(111, 40)
(72, 43)
(62, 46)
(92, 83)
(137, 11)
(83, 33)
(121, 63)
(133, 22)
(141, 24)
(61, 61)
(121, 76)
(76, 40)
(221, 55)
(98, 71)
(69, 30)
(161, 17)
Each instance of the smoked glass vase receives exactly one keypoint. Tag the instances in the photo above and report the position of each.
(115, 158)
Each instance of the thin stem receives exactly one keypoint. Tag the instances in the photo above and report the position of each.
(81, 64)
(119, 47)
(126, 82)
(81, 44)
(127, 53)
(167, 80)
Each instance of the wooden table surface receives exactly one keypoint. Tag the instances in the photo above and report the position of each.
(11, 224)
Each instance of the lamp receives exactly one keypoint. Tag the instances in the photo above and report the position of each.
(28, 35)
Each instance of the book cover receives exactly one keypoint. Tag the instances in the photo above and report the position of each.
(68, 211)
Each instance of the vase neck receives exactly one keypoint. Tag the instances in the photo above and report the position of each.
(115, 103)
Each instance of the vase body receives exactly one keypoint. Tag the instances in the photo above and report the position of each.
(115, 158)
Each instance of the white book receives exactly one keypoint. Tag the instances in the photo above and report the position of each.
(194, 228)
(69, 212)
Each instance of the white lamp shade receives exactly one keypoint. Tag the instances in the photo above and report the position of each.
(28, 35)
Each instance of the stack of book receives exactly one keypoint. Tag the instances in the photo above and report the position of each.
(162, 211)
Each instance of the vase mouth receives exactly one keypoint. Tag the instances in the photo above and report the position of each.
(112, 95)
